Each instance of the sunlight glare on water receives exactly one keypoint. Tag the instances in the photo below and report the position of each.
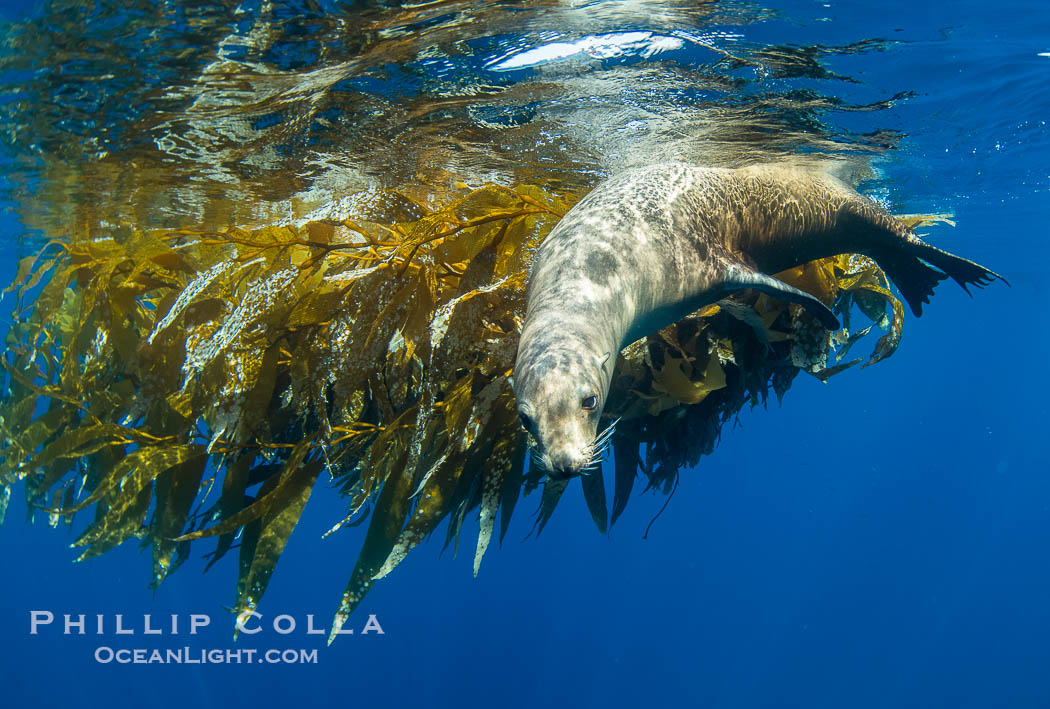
(178, 115)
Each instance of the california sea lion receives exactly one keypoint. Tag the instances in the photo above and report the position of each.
(651, 245)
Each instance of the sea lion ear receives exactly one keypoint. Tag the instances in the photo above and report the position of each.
(603, 360)
(510, 380)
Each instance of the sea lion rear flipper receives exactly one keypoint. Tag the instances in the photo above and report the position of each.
(740, 277)
(907, 265)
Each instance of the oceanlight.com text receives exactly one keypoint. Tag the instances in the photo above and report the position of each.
(198, 656)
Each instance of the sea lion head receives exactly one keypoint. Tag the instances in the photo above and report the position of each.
(561, 388)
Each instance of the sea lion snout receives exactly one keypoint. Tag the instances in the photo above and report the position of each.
(568, 463)
(559, 408)
(563, 439)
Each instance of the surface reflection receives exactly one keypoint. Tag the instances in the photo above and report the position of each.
(177, 114)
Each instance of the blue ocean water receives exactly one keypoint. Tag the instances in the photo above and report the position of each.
(909, 571)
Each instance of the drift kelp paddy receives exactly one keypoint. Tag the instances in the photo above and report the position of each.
(288, 245)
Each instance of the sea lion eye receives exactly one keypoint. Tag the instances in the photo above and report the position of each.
(526, 422)
(590, 403)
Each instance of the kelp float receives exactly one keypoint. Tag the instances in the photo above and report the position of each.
(190, 384)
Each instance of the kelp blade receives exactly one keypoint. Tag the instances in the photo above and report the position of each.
(363, 349)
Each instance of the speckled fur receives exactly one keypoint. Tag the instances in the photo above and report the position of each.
(651, 245)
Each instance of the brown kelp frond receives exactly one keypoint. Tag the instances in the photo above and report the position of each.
(674, 390)
(193, 384)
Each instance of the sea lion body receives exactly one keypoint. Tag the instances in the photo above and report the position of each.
(651, 245)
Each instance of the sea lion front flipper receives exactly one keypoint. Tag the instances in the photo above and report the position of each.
(739, 277)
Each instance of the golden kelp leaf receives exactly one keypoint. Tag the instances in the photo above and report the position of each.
(435, 500)
(144, 254)
(457, 406)
(5, 498)
(388, 517)
(498, 468)
(383, 310)
(24, 271)
(318, 306)
(252, 393)
(470, 436)
(175, 490)
(15, 418)
(276, 527)
(917, 221)
(552, 202)
(149, 468)
(860, 279)
(512, 481)
(19, 448)
(593, 484)
(460, 249)
(625, 465)
(851, 340)
(119, 525)
(770, 310)
(84, 440)
(552, 492)
(387, 452)
(231, 499)
(888, 343)
(811, 277)
(827, 373)
(266, 292)
(137, 469)
(188, 295)
(50, 298)
(714, 373)
(677, 379)
(283, 490)
(26, 281)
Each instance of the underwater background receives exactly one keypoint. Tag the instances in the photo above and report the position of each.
(879, 540)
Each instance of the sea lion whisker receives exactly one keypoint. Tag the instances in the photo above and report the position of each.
(602, 438)
(591, 467)
(609, 430)
(599, 443)
(595, 458)
(594, 452)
